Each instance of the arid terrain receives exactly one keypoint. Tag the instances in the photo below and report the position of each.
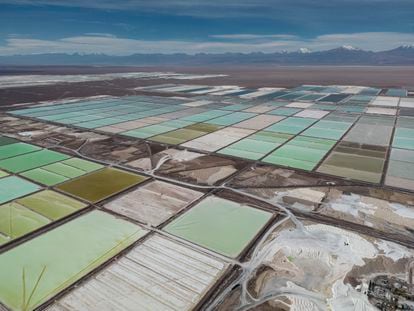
(249, 76)
(206, 189)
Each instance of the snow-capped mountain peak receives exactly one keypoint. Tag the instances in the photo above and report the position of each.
(350, 48)
(304, 50)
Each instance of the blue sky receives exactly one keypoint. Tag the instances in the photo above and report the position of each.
(192, 26)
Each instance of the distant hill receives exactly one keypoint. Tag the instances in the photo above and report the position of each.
(345, 55)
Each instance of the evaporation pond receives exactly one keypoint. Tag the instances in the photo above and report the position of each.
(31, 160)
(17, 220)
(101, 184)
(13, 187)
(60, 257)
(220, 225)
(51, 204)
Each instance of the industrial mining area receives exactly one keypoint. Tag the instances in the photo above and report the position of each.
(206, 189)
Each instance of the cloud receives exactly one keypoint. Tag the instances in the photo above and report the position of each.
(375, 41)
(144, 4)
(273, 9)
(245, 36)
(99, 34)
(128, 4)
(111, 45)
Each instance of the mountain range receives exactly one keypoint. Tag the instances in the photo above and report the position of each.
(345, 55)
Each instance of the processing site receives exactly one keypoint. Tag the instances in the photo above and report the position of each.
(174, 193)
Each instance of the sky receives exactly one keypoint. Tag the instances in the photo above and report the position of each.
(123, 27)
